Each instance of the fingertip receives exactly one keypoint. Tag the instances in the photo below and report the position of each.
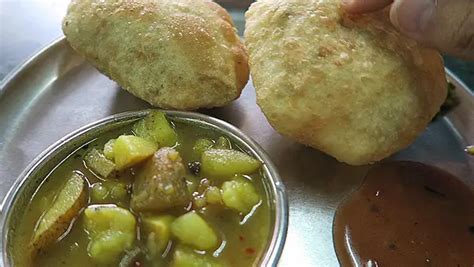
(347, 5)
(364, 6)
(426, 22)
(411, 16)
(394, 15)
(350, 6)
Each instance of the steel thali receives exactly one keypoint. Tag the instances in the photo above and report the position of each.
(57, 92)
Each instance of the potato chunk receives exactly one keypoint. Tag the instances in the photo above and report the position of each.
(225, 162)
(223, 143)
(57, 219)
(186, 257)
(130, 150)
(156, 128)
(193, 230)
(239, 194)
(157, 231)
(161, 183)
(111, 231)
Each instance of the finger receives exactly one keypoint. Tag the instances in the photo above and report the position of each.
(363, 6)
(447, 25)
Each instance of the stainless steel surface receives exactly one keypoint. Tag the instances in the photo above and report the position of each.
(57, 92)
(25, 27)
(27, 182)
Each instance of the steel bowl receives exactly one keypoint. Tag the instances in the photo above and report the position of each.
(27, 183)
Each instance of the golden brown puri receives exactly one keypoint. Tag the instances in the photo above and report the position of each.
(352, 87)
(177, 54)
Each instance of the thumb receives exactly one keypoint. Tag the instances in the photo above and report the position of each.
(447, 25)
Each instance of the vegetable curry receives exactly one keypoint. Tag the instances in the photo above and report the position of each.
(158, 193)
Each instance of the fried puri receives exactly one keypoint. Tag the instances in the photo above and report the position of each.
(179, 54)
(350, 86)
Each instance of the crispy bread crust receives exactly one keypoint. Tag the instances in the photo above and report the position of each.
(350, 86)
(180, 54)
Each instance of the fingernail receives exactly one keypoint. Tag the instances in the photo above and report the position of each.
(346, 3)
(412, 15)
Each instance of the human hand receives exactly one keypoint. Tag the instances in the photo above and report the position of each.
(447, 25)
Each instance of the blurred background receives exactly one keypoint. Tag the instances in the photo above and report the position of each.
(26, 26)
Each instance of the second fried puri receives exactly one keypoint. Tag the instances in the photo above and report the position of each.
(180, 54)
(350, 86)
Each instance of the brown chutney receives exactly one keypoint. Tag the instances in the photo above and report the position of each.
(406, 214)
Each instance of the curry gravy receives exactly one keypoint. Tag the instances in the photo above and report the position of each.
(407, 214)
(243, 241)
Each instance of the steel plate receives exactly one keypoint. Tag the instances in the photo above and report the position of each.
(57, 92)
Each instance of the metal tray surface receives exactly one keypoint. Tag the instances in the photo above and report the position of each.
(57, 92)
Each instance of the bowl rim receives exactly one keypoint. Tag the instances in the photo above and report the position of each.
(274, 248)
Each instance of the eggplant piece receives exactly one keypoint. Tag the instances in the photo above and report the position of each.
(223, 143)
(161, 183)
(156, 128)
(202, 145)
(109, 149)
(98, 163)
(132, 257)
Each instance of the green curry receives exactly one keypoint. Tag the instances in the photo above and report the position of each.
(159, 193)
